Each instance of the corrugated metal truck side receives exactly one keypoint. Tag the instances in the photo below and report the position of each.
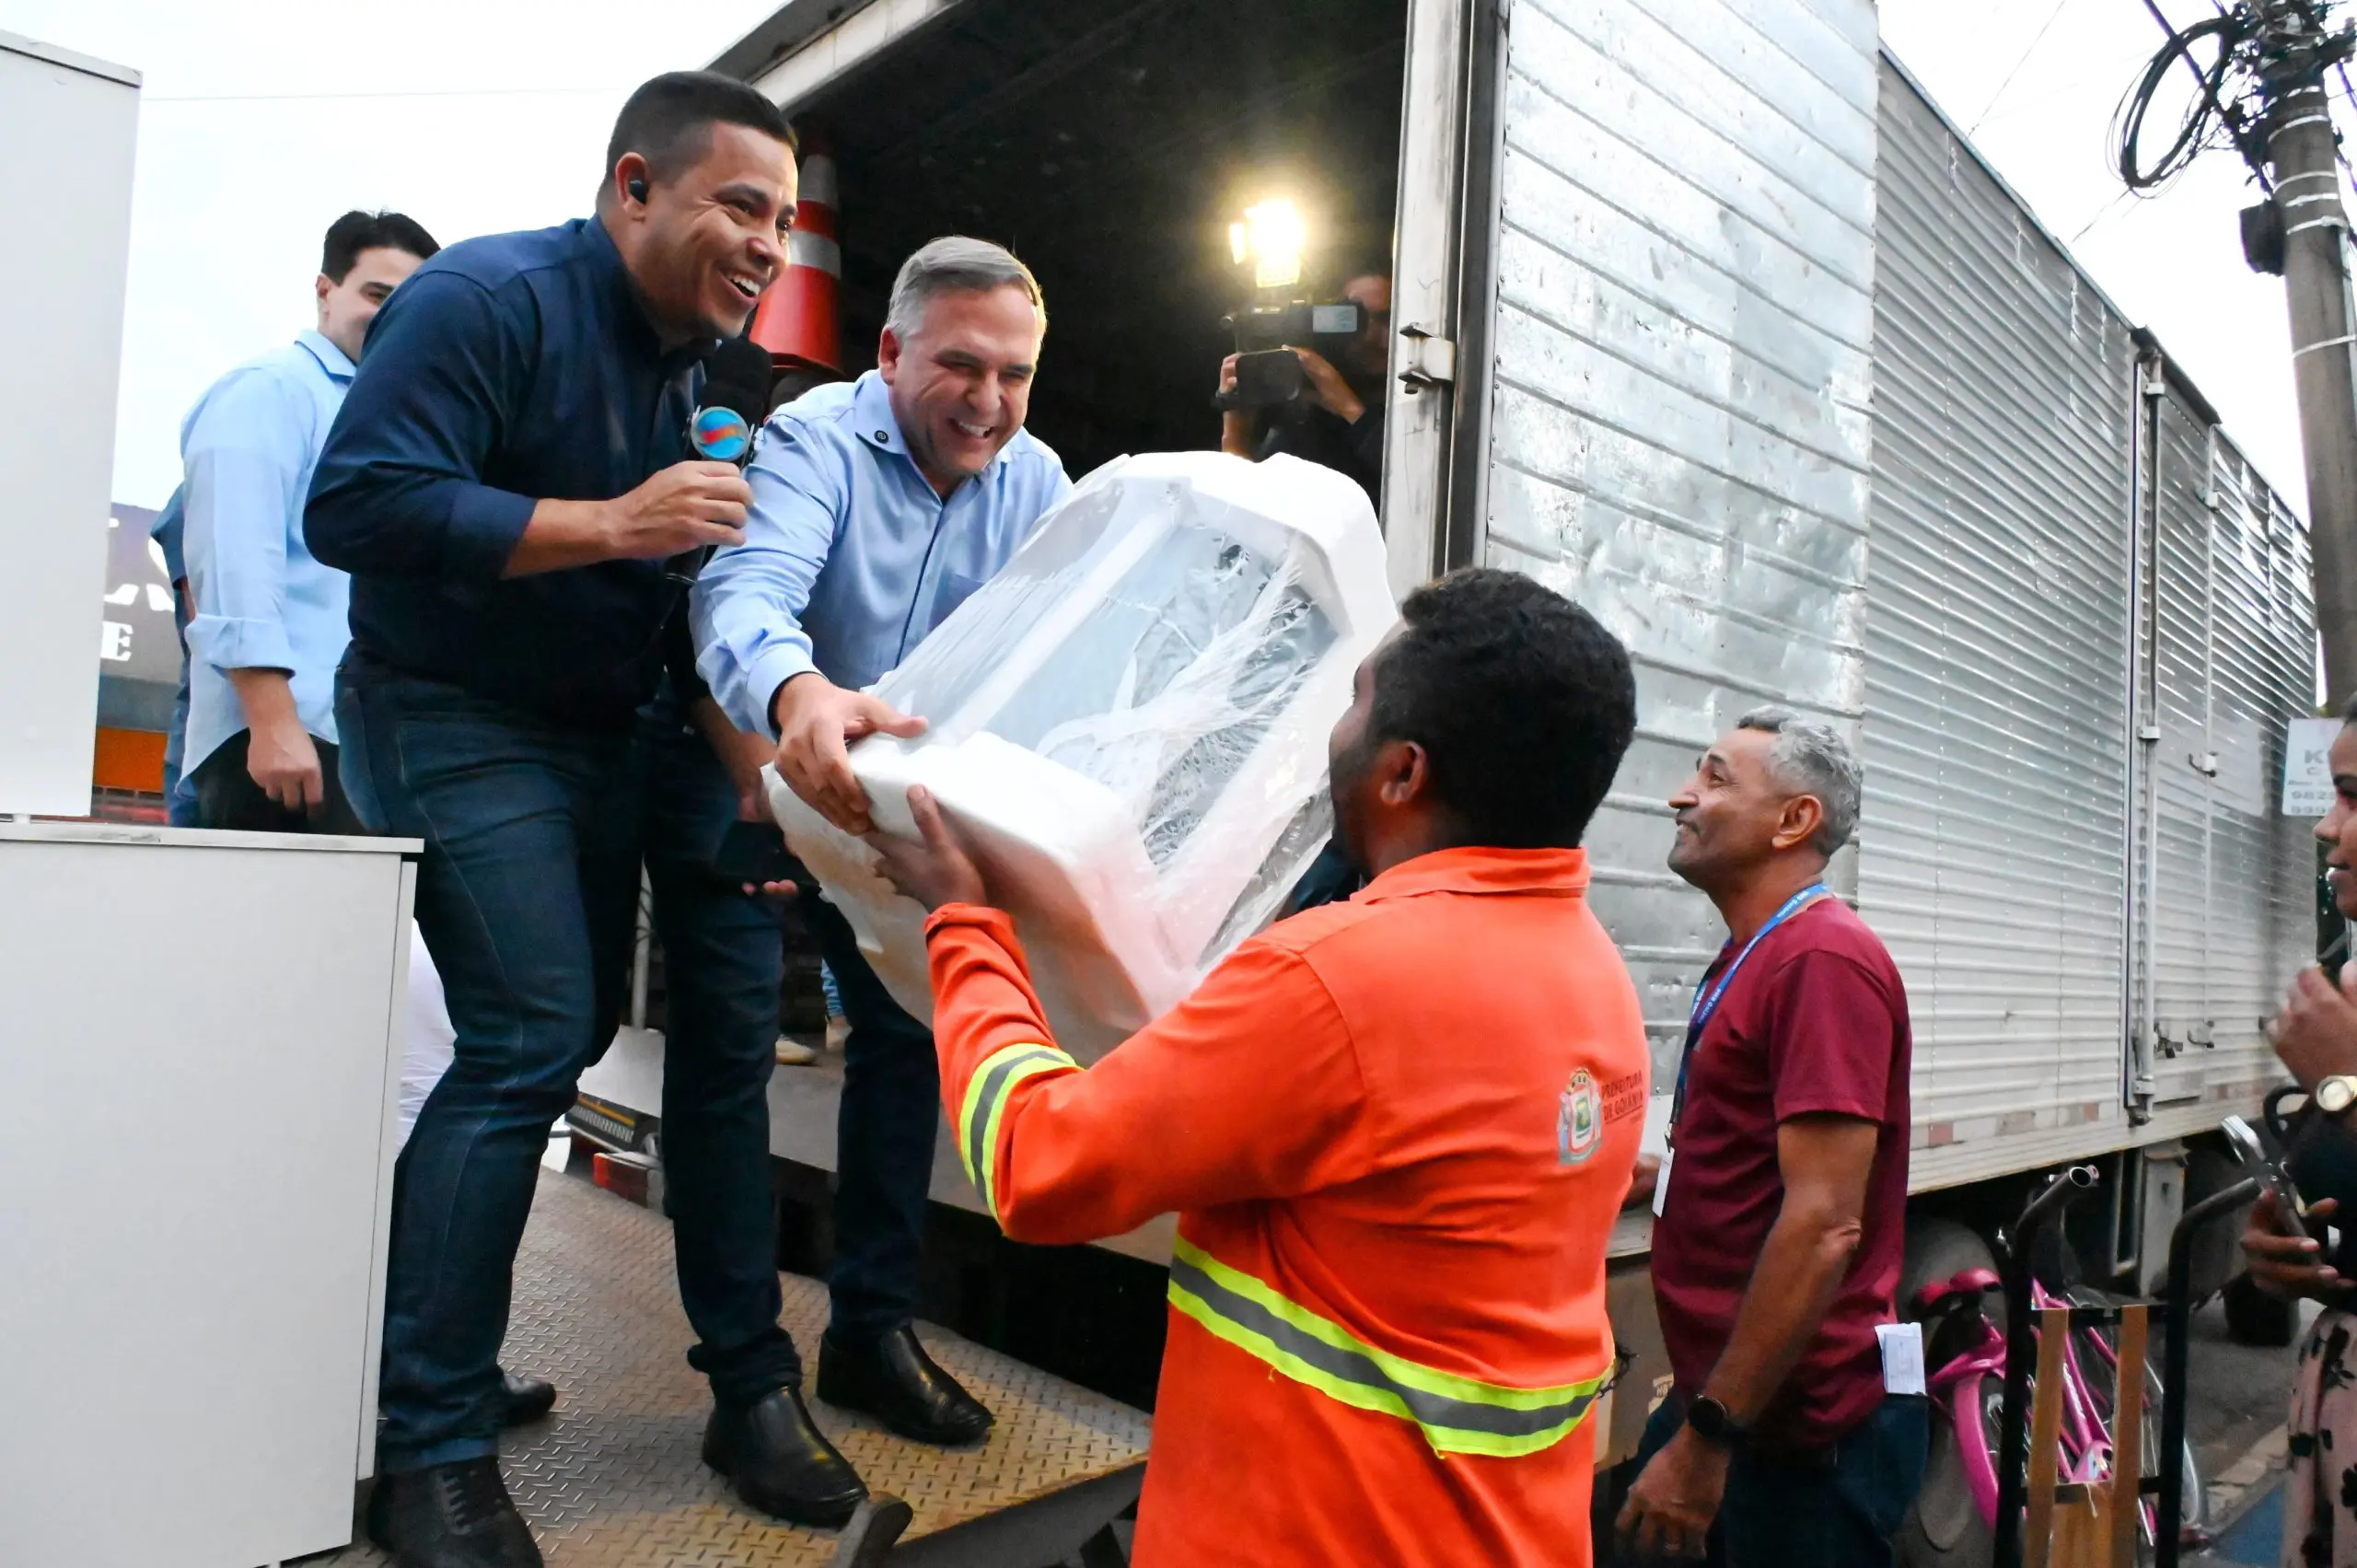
(1707, 317)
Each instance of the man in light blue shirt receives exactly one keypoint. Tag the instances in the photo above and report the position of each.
(179, 798)
(269, 623)
(878, 508)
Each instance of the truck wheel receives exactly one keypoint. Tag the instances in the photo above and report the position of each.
(2255, 1318)
(2217, 1250)
(1945, 1529)
(1938, 1250)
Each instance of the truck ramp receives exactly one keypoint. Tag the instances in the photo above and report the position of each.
(612, 1479)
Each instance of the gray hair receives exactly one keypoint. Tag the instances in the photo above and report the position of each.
(950, 264)
(1814, 759)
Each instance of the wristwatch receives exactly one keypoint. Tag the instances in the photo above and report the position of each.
(2336, 1093)
(1713, 1423)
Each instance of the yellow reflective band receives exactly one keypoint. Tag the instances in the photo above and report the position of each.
(1457, 1415)
(986, 1091)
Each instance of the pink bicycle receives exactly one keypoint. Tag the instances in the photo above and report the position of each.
(1968, 1388)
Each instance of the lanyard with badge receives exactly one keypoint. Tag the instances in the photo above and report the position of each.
(1706, 1003)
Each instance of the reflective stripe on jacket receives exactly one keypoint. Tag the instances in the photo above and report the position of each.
(1457, 1415)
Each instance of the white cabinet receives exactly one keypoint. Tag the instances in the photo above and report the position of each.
(67, 128)
(199, 1069)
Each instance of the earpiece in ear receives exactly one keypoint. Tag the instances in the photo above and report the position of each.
(637, 189)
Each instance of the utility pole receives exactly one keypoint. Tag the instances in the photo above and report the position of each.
(2315, 249)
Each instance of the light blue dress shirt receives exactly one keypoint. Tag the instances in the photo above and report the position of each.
(180, 796)
(850, 556)
(247, 450)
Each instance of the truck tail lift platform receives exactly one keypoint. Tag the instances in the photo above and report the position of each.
(612, 1479)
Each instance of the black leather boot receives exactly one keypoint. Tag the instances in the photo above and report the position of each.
(455, 1516)
(895, 1381)
(523, 1400)
(782, 1463)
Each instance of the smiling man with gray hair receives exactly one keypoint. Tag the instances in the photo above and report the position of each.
(1796, 1429)
(878, 506)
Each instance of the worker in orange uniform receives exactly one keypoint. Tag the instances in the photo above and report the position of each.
(1397, 1131)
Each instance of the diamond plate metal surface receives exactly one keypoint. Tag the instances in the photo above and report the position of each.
(612, 1479)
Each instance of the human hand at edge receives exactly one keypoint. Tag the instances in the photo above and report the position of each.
(817, 721)
(934, 867)
(1669, 1510)
(2289, 1267)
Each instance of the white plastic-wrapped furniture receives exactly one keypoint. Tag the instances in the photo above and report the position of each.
(1129, 725)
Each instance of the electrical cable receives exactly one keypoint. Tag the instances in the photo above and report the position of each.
(2258, 51)
(2169, 27)
(2035, 39)
(2348, 91)
(2089, 227)
(2212, 119)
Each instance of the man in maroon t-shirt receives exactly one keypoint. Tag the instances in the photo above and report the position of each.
(1782, 1204)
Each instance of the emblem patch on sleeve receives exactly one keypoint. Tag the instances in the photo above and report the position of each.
(1579, 1120)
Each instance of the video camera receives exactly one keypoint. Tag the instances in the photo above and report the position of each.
(1268, 374)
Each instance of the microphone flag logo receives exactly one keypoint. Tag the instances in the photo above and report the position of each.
(720, 433)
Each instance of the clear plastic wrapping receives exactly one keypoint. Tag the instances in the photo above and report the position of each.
(1129, 726)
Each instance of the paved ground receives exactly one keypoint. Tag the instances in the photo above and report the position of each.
(2239, 1392)
(2252, 1540)
(2236, 1422)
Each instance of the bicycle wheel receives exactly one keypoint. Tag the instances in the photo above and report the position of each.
(2099, 1360)
(2196, 1507)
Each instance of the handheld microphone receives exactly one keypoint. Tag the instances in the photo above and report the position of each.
(735, 400)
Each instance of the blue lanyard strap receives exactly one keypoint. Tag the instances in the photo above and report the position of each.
(1707, 997)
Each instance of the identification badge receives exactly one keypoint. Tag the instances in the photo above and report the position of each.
(1902, 1357)
(1661, 1182)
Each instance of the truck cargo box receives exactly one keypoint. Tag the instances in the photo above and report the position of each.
(1705, 315)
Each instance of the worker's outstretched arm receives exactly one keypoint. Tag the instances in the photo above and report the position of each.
(1249, 1089)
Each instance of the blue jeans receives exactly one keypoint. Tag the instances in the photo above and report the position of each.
(723, 956)
(526, 895)
(885, 1128)
(1839, 1513)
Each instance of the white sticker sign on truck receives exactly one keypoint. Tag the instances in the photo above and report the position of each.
(2307, 767)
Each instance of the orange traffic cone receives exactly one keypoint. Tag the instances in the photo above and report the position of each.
(798, 319)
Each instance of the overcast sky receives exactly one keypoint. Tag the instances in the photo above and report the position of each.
(263, 119)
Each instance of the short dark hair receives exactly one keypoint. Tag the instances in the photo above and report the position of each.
(357, 231)
(668, 119)
(1523, 702)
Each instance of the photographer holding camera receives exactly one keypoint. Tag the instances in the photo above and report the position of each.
(1338, 418)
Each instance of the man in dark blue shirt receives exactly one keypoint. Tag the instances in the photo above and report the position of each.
(503, 483)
